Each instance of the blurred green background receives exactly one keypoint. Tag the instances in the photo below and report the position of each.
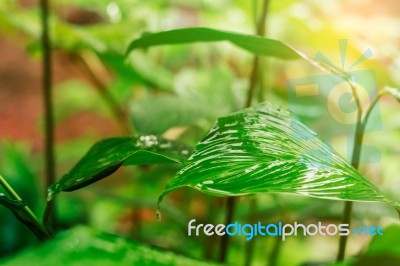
(178, 91)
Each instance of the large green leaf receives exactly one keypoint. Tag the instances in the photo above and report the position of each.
(265, 149)
(106, 156)
(251, 43)
(84, 246)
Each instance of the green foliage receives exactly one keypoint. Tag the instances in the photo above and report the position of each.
(81, 246)
(106, 156)
(265, 149)
(251, 43)
(158, 114)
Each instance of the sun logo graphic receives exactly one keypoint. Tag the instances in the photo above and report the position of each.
(326, 103)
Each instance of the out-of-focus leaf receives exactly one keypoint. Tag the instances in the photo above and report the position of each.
(384, 244)
(199, 87)
(85, 246)
(265, 149)
(153, 74)
(81, 96)
(139, 70)
(393, 91)
(158, 114)
(251, 43)
(383, 250)
(106, 156)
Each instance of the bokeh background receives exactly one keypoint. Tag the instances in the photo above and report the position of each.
(178, 91)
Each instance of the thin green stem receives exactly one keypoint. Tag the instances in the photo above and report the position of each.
(255, 72)
(47, 216)
(249, 252)
(273, 258)
(346, 219)
(253, 81)
(47, 98)
(230, 210)
(355, 159)
(47, 94)
(27, 216)
(369, 111)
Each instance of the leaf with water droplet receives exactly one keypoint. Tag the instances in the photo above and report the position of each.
(266, 149)
(106, 156)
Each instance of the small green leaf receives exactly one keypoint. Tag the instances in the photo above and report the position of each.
(106, 156)
(265, 149)
(251, 43)
(85, 246)
(11, 204)
(392, 91)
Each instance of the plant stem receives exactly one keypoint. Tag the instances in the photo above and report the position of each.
(346, 218)
(28, 218)
(249, 252)
(371, 107)
(230, 209)
(47, 95)
(273, 258)
(47, 99)
(253, 81)
(260, 31)
(355, 158)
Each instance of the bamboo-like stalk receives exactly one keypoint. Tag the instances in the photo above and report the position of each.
(355, 159)
(49, 138)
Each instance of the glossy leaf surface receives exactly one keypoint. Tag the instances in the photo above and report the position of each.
(84, 246)
(106, 156)
(266, 149)
(251, 43)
